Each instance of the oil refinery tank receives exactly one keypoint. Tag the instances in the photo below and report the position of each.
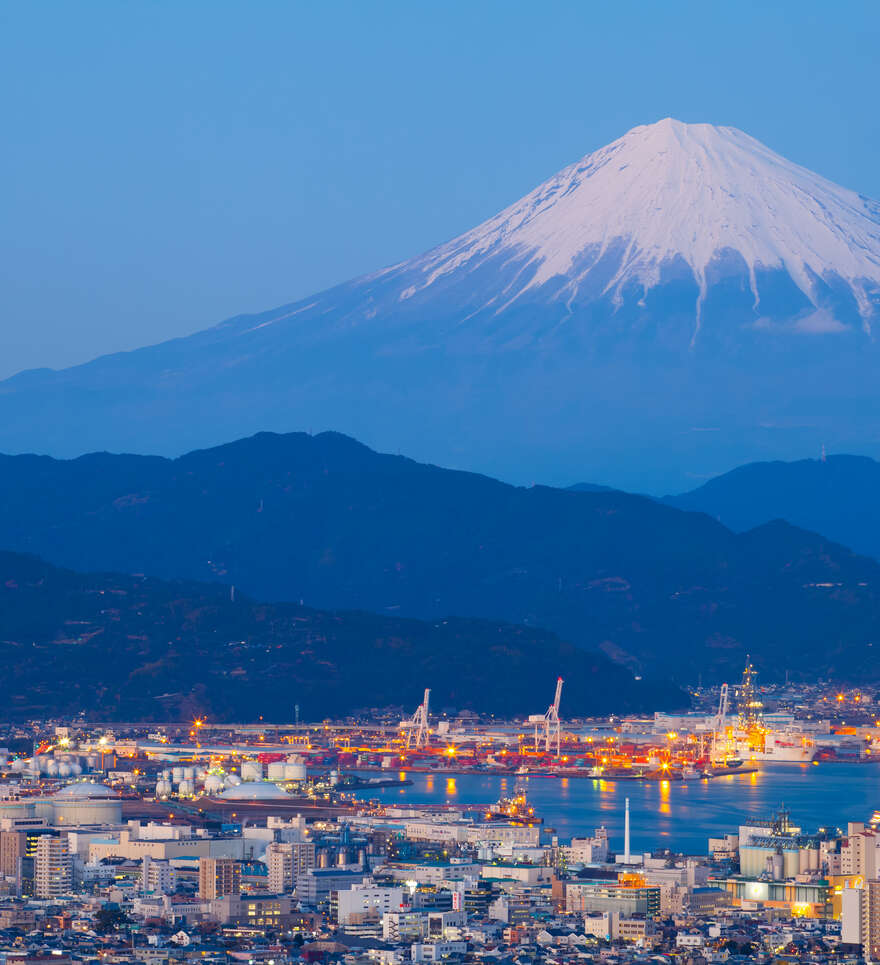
(64, 769)
(187, 788)
(232, 780)
(276, 771)
(295, 771)
(86, 802)
(254, 791)
(163, 788)
(177, 774)
(252, 771)
(189, 773)
(214, 784)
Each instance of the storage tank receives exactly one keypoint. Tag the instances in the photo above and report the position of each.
(189, 773)
(51, 768)
(334, 778)
(64, 769)
(252, 771)
(91, 762)
(777, 865)
(17, 766)
(163, 788)
(232, 780)
(295, 771)
(276, 771)
(177, 774)
(76, 768)
(187, 788)
(86, 803)
(214, 784)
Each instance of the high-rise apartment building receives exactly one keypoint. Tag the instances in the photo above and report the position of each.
(219, 877)
(13, 845)
(53, 868)
(286, 860)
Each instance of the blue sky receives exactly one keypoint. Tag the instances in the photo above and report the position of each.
(170, 164)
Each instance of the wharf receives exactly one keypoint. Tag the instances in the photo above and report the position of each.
(579, 773)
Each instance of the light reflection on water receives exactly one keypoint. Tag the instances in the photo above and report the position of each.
(675, 814)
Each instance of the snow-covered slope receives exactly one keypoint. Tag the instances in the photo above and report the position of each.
(676, 303)
(672, 191)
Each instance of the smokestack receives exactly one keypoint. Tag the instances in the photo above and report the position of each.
(626, 834)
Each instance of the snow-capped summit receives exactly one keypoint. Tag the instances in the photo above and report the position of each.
(669, 191)
(677, 302)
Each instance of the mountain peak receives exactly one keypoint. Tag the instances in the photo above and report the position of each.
(669, 195)
(676, 302)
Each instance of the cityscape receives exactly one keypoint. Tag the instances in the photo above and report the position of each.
(439, 473)
(209, 841)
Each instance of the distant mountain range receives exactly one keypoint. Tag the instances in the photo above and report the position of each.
(681, 300)
(132, 648)
(325, 520)
(838, 496)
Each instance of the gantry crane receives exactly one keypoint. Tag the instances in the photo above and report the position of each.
(548, 722)
(416, 727)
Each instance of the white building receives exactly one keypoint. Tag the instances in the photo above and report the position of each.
(286, 860)
(368, 901)
(53, 868)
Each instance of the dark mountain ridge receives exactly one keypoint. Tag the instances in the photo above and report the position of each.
(135, 648)
(325, 520)
(838, 496)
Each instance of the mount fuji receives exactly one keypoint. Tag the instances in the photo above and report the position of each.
(679, 301)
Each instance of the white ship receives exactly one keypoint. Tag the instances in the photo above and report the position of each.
(781, 747)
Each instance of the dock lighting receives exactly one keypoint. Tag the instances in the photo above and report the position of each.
(672, 735)
(450, 751)
(840, 698)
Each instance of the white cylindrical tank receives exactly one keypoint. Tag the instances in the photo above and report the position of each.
(276, 771)
(334, 778)
(177, 774)
(189, 773)
(777, 865)
(76, 768)
(252, 771)
(64, 769)
(232, 780)
(214, 784)
(91, 762)
(187, 788)
(51, 768)
(295, 772)
(163, 788)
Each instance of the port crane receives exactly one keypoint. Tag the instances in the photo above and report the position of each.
(416, 727)
(720, 722)
(549, 722)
